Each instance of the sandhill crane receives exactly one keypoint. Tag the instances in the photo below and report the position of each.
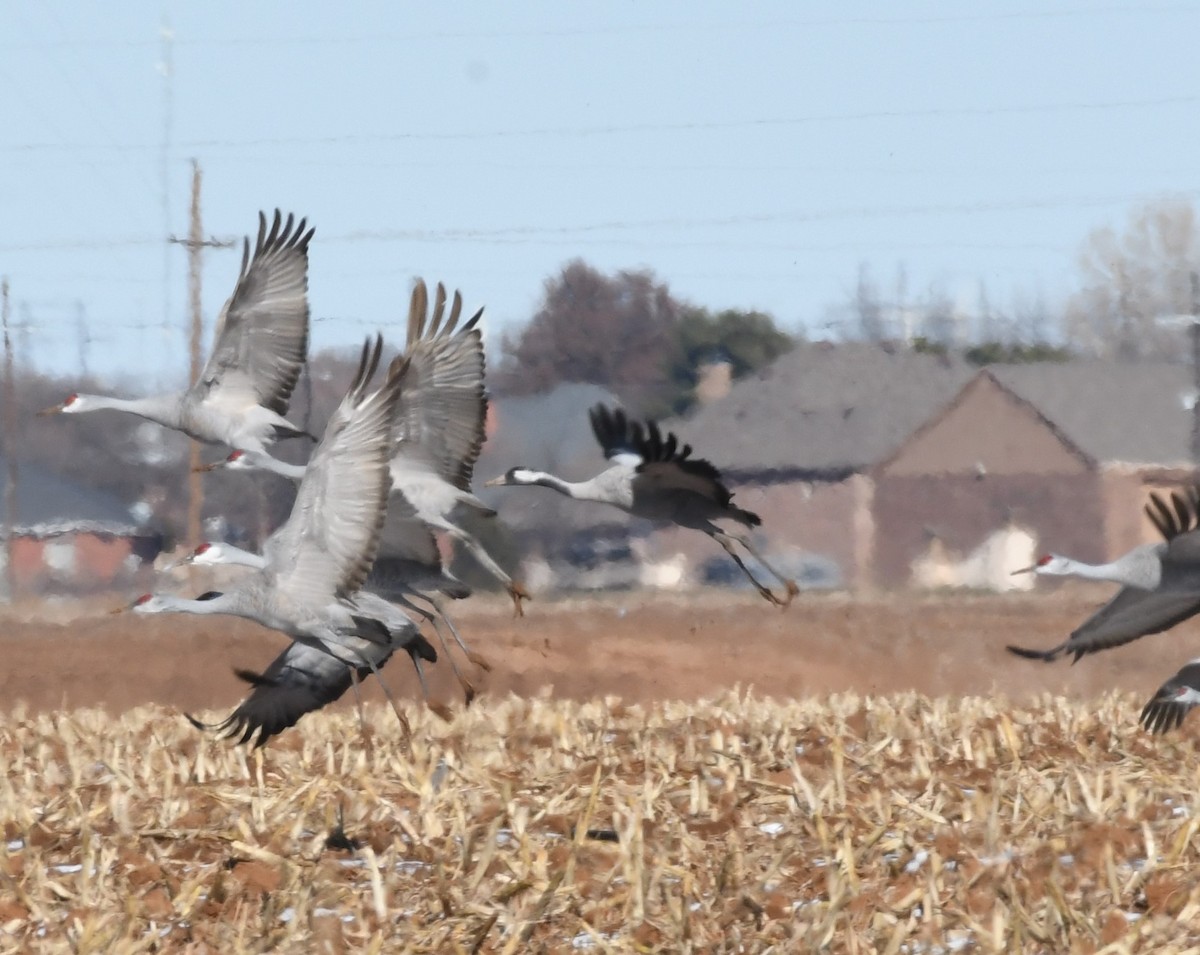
(657, 478)
(1160, 588)
(321, 556)
(261, 345)
(402, 579)
(439, 428)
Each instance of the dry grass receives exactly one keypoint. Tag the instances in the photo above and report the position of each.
(894, 824)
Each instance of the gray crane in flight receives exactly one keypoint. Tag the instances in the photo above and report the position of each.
(242, 394)
(1160, 588)
(320, 558)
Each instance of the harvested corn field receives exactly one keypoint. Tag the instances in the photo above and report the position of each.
(846, 823)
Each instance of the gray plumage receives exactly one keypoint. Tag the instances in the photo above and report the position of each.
(310, 586)
(1160, 582)
(260, 347)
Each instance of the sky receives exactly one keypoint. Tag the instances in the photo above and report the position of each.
(753, 155)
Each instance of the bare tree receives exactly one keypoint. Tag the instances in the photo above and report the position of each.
(1135, 282)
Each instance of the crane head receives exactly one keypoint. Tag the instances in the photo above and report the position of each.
(72, 405)
(514, 476)
(1047, 564)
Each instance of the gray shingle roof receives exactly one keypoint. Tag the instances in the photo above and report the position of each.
(1134, 412)
(823, 407)
(48, 503)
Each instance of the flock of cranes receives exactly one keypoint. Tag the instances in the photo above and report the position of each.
(355, 569)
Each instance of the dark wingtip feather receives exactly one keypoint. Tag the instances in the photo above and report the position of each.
(1048, 656)
(1162, 716)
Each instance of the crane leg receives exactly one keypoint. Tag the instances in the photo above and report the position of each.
(515, 590)
(477, 659)
(358, 703)
(405, 728)
(788, 585)
(727, 541)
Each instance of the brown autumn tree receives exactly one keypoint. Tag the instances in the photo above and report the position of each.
(614, 330)
(1137, 285)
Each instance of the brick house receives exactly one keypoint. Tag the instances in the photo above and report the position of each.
(67, 538)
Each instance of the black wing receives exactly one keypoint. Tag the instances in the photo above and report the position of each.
(300, 680)
(1174, 700)
(663, 459)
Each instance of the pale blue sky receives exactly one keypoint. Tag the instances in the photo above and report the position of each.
(752, 154)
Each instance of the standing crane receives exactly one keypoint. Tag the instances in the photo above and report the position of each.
(1160, 588)
(656, 478)
(321, 556)
(261, 345)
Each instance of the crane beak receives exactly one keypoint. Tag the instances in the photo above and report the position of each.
(57, 409)
(495, 482)
(117, 610)
(1024, 570)
(207, 467)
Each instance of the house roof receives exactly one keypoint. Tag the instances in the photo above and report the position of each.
(1131, 412)
(823, 408)
(49, 504)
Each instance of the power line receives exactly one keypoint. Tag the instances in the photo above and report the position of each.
(675, 27)
(937, 112)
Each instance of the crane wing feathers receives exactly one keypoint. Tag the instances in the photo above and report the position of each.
(261, 342)
(1174, 700)
(1131, 614)
(443, 409)
(300, 680)
(338, 514)
(664, 461)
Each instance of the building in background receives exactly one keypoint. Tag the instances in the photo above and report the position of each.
(71, 539)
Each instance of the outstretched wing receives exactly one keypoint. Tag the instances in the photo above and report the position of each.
(1174, 700)
(332, 533)
(662, 462)
(1179, 523)
(443, 409)
(300, 680)
(262, 334)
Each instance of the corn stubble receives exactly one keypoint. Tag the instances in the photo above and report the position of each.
(846, 824)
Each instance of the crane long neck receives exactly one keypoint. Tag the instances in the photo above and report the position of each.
(226, 603)
(244, 558)
(161, 409)
(271, 463)
(1135, 570)
(580, 490)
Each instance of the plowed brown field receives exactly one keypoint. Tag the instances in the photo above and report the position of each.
(636, 646)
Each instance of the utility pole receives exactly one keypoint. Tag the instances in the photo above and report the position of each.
(1194, 330)
(196, 243)
(10, 449)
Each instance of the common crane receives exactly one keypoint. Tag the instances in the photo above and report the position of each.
(656, 478)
